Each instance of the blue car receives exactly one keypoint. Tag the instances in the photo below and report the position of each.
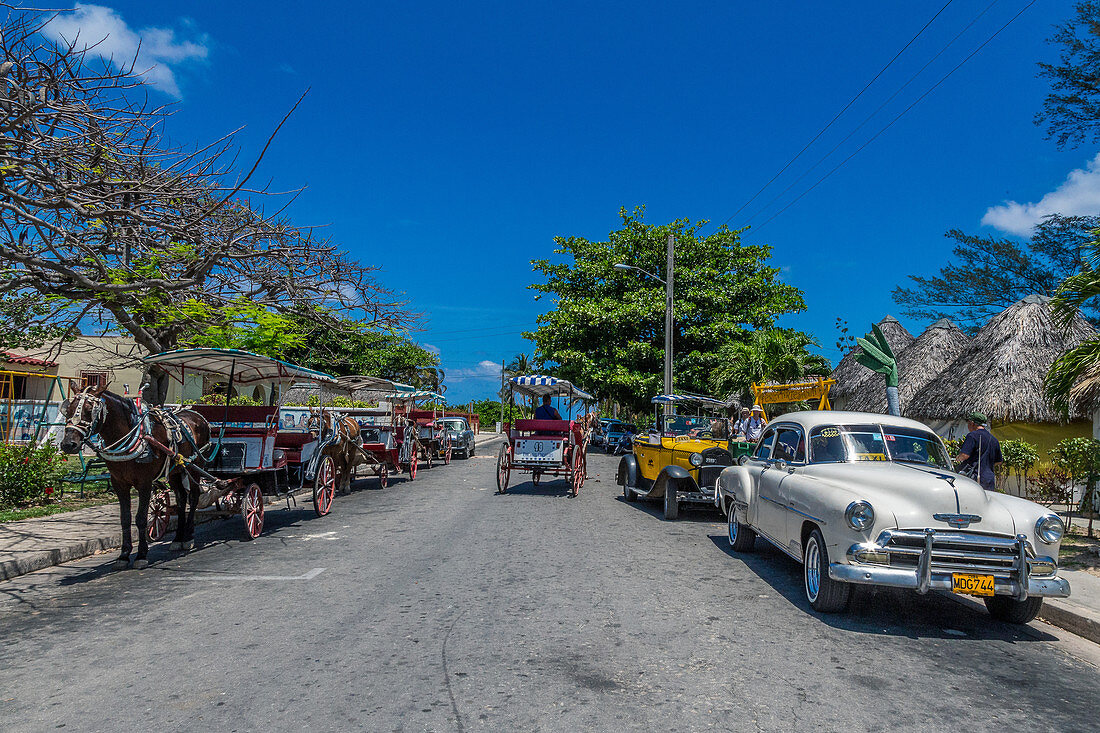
(620, 438)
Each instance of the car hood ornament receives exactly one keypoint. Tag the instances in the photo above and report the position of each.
(958, 521)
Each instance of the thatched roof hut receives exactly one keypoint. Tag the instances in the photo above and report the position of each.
(920, 363)
(1000, 372)
(849, 373)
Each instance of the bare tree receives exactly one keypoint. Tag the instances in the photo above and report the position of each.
(99, 213)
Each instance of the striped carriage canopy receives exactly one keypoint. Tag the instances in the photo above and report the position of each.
(245, 366)
(356, 382)
(537, 385)
(417, 394)
(687, 399)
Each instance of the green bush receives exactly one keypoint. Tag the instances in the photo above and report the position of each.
(26, 472)
(219, 399)
(1020, 457)
(953, 445)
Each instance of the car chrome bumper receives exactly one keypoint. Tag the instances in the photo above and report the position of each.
(903, 578)
(1019, 584)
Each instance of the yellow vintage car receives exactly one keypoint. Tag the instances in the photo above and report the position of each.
(679, 461)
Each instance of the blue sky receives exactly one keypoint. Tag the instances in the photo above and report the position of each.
(448, 143)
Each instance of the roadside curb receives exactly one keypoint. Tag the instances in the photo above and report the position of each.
(1065, 615)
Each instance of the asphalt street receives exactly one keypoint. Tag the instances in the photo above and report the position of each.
(438, 605)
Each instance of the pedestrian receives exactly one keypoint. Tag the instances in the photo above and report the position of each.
(980, 452)
(755, 425)
(741, 424)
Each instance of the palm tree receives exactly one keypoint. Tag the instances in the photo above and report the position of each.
(521, 365)
(777, 354)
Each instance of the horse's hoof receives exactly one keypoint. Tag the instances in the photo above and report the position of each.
(188, 545)
(121, 564)
(175, 546)
(141, 564)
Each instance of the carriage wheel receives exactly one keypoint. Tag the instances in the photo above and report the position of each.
(447, 454)
(252, 511)
(324, 487)
(577, 476)
(160, 512)
(504, 469)
(384, 476)
(429, 452)
(413, 460)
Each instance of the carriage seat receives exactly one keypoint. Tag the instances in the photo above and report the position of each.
(291, 444)
(554, 428)
(377, 435)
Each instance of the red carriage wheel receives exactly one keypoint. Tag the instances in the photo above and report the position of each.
(252, 510)
(412, 465)
(160, 513)
(324, 487)
(384, 475)
(429, 452)
(447, 454)
(504, 468)
(577, 475)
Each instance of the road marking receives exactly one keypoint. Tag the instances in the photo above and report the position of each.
(188, 575)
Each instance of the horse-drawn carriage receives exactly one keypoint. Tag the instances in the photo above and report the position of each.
(252, 455)
(388, 443)
(544, 447)
(433, 439)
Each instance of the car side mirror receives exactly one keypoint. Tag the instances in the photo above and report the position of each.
(781, 464)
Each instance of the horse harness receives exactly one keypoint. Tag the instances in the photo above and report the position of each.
(139, 441)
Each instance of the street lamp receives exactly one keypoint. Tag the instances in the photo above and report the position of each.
(667, 281)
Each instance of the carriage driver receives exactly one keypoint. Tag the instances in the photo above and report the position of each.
(546, 411)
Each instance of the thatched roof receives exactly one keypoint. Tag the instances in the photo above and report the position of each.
(1000, 372)
(849, 372)
(920, 363)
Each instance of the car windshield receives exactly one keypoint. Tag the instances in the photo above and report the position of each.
(457, 425)
(685, 424)
(622, 428)
(851, 443)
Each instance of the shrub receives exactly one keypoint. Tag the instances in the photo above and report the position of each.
(953, 445)
(1020, 457)
(1051, 485)
(219, 399)
(26, 472)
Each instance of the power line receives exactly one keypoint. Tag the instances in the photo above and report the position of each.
(900, 115)
(867, 119)
(838, 114)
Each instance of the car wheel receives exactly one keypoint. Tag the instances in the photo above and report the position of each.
(672, 506)
(1012, 611)
(628, 494)
(824, 594)
(742, 537)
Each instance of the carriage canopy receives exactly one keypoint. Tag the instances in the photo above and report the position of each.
(245, 366)
(355, 382)
(537, 385)
(687, 399)
(417, 394)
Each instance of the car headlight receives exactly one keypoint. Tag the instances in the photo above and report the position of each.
(860, 516)
(1050, 528)
(696, 459)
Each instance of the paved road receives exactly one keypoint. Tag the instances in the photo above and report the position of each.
(444, 607)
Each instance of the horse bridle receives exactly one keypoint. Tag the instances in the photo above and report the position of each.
(75, 422)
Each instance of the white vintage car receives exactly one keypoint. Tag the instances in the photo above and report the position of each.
(873, 499)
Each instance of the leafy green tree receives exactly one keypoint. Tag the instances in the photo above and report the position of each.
(1080, 459)
(354, 349)
(1071, 110)
(28, 320)
(778, 354)
(1020, 457)
(990, 273)
(606, 330)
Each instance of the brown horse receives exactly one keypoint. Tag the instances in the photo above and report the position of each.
(344, 449)
(135, 457)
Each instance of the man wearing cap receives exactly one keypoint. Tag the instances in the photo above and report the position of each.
(754, 426)
(980, 450)
(740, 423)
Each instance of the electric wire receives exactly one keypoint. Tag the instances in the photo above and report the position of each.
(868, 118)
(900, 114)
(852, 101)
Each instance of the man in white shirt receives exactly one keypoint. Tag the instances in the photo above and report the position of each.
(755, 424)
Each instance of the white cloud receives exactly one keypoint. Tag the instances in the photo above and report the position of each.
(106, 34)
(484, 370)
(431, 348)
(1079, 195)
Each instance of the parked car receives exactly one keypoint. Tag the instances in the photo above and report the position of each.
(620, 438)
(875, 500)
(679, 461)
(462, 437)
(599, 437)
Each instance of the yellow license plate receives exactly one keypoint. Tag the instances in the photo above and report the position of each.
(972, 585)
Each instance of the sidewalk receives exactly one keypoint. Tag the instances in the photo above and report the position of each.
(1080, 613)
(33, 544)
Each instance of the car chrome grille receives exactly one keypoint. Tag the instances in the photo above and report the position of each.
(954, 551)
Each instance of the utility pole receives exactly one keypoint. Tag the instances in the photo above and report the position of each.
(668, 317)
(502, 394)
